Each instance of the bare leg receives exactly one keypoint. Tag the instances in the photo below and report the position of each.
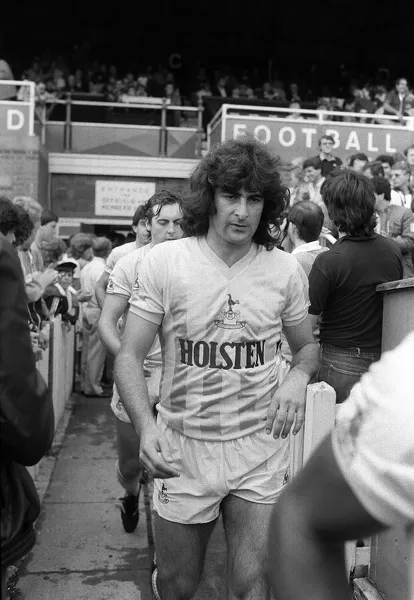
(246, 525)
(128, 452)
(180, 557)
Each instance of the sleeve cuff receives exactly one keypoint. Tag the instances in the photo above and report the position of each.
(146, 315)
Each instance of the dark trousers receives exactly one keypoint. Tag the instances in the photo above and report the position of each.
(342, 368)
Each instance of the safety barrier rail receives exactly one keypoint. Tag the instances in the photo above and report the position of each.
(158, 117)
(57, 366)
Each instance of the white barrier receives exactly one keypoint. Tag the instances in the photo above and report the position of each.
(57, 368)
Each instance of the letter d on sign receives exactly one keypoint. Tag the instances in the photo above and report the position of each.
(15, 119)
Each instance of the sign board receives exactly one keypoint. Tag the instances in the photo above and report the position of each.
(121, 198)
(293, 138)
(15, 119)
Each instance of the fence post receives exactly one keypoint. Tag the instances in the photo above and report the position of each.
(67, 135)
(200, 131)
(163, 130)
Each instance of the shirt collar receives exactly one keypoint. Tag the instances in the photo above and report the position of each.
(307, 247)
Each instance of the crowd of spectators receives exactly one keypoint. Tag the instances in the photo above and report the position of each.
(52, 270)
(392, 178)
(345, 90)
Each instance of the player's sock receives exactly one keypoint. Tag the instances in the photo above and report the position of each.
(154, 585)
(131, 486)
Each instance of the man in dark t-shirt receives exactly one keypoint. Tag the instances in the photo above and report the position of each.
(343, 281)
(329, 162)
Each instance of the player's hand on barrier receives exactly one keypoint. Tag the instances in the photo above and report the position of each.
(156, 456)
(287, 403)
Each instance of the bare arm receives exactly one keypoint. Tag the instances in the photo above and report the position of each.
(314, 516)
(137, 340)
(113, 309)
(289, 399)
(100, 288)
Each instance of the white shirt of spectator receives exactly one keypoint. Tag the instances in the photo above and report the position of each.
(373, 442)
(309, 247)
(89, 277)
(400, 199)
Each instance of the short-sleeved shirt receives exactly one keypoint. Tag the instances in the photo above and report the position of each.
(373, 441)
(342, 286)
(122, 280)
(220, 332)
(118, 253)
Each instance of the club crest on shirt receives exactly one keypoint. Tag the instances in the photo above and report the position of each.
(230, 318)
(162, 495)
(135, 287)
(110, 286)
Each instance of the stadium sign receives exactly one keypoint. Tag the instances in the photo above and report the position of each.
(292, 138)
(15, 119)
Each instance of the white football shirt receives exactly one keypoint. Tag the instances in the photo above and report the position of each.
(118, 253)
(220, 332)
(121, 283)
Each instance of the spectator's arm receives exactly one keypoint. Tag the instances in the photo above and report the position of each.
(26, 415)
(405, 240)
(315, 515)
(100, 288)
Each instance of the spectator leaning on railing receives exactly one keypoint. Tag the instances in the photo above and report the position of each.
(399, 100)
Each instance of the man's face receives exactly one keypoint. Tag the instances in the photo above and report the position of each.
(399, 178)
(312, 174)
(49, 231)
(359, 164)
(237, 216)
(326, 146)
(166, 225)
(402, 86)
(387, 170)
(410, 157)
(142, 235)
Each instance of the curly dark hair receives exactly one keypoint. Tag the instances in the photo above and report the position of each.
(350, 199)
(25, 226)
(160, 199)
(234, 165)
(9, 216)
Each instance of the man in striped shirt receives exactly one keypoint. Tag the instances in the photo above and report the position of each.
(219, 299)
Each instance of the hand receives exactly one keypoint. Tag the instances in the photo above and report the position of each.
(288, 401)
(43, 340)
(155, 454)
(49, 277)
(84, 297)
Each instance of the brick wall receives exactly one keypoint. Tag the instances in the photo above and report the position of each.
(20, 169)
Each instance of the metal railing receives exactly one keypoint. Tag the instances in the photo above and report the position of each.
(163, 107)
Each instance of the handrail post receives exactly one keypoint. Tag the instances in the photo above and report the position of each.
(163, 130)
(67, 134)
(199, 134)
(43, 124)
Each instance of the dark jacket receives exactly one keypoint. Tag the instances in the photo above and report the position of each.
(26, 413)
(397, 223)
